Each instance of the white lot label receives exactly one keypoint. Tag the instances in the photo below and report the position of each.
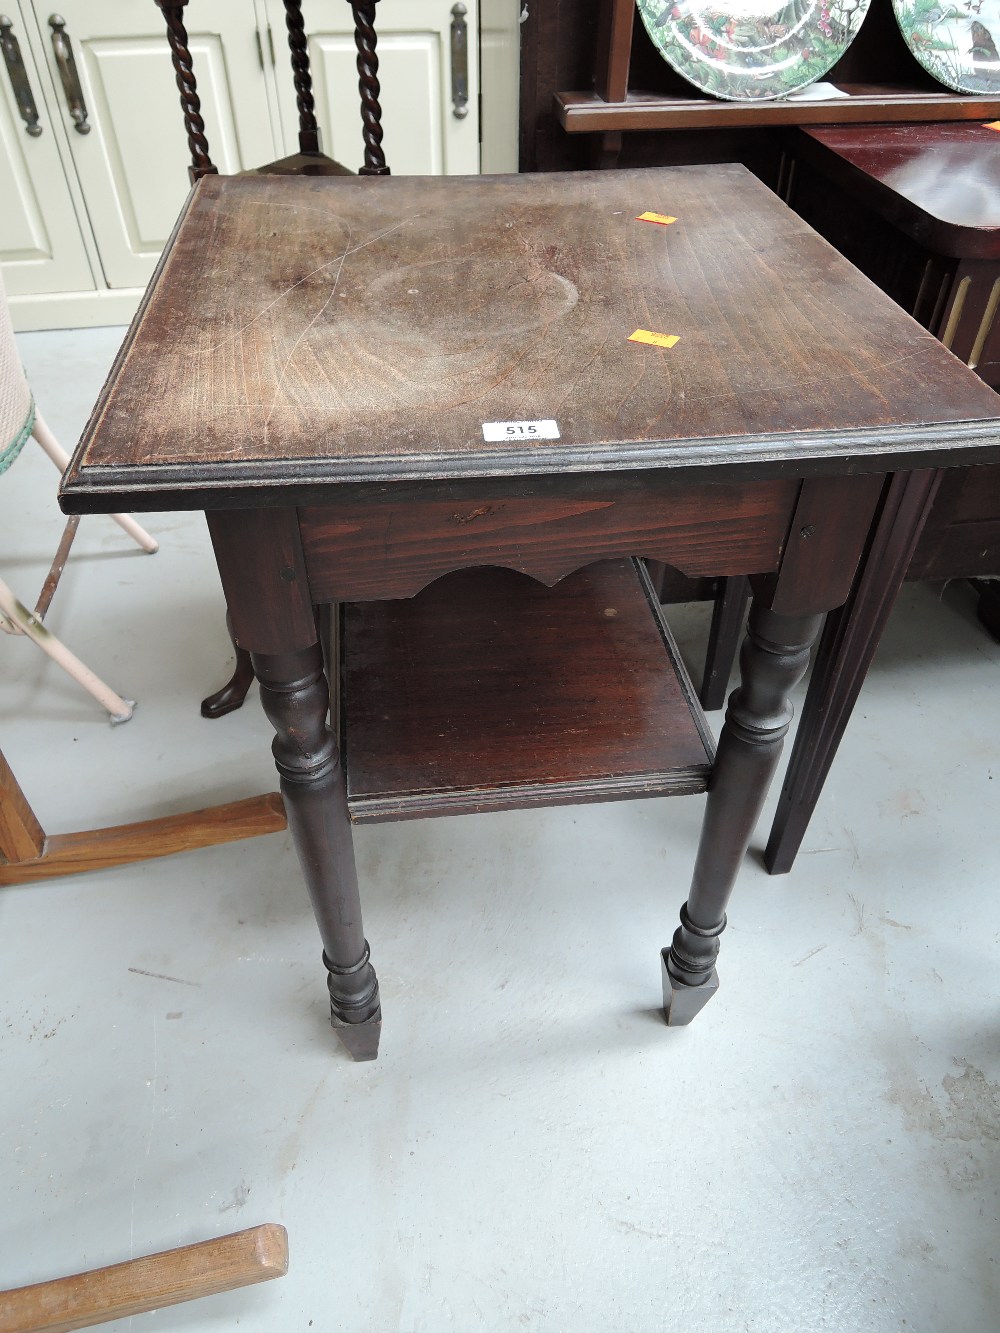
(494, 431)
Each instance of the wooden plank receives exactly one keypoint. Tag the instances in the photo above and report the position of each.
(100, 849)
(139, 1285)
(489, 691)
(588, 113)
(614, 49)
(21, 836)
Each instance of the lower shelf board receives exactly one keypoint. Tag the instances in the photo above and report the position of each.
(489, 691)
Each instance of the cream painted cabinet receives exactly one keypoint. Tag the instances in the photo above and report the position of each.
(87, 204)
(116, 158)
(430, 85)
(132, 165)
(41, 242)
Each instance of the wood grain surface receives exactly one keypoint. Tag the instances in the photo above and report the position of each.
(21, 836)
(393, 543)
(490, 692)
(327, 329)
(156, 1280)
(123, 844)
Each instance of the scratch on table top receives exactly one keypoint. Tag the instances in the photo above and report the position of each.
(338, 259)
(295, 346)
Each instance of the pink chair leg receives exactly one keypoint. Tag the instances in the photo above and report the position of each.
(22, 621)
(138, 534)
(60, 457)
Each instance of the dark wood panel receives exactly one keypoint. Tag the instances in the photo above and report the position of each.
(558, 50)
(915, 278)
(962, 535)
(963, 550)
(490, 692)
(392, 545)
(259, 554)
(827, 537)
(967, 495)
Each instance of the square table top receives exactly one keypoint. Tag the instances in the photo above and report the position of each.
(302, 332)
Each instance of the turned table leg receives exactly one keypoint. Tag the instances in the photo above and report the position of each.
(773, 659)
(262, 567)
(295, 697)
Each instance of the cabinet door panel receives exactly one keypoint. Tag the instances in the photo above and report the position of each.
(411, 112)
(41, 249)
(132, 166)
(499, 78)
(422, 136)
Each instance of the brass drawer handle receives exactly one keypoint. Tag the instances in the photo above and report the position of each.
(23, 95)
(459, 62)
(67, 72)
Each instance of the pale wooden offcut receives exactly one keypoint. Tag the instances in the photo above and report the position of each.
(140, 1285)
(21, 836)
(26, 854)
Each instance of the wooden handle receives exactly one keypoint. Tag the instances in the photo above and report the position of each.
(65, 1303)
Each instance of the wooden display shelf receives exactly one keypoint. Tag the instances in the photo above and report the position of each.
(489, 691)
(589, 113)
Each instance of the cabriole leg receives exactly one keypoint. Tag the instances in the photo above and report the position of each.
(234, 692)
(773, 659)
(295, 697)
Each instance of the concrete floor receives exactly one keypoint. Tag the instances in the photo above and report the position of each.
(533, 1149)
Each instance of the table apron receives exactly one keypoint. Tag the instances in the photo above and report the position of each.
(393, 544)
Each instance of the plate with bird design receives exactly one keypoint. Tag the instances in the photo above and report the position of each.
(955, 40)
(753, 50)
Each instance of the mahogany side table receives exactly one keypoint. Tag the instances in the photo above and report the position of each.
(917, 209)
(371, 384)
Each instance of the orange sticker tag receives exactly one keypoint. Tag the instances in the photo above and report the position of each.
(653, 339)
(992, 125)
(661, 218)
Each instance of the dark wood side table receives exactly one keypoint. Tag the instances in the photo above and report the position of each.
(368, 385)
(917, 208)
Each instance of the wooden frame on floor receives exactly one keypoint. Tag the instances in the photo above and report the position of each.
(27, 853)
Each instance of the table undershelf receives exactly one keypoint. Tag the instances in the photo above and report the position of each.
(588, 113)
(489, 691)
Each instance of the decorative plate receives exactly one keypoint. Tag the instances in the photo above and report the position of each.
(956, 42)
(751, 50)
